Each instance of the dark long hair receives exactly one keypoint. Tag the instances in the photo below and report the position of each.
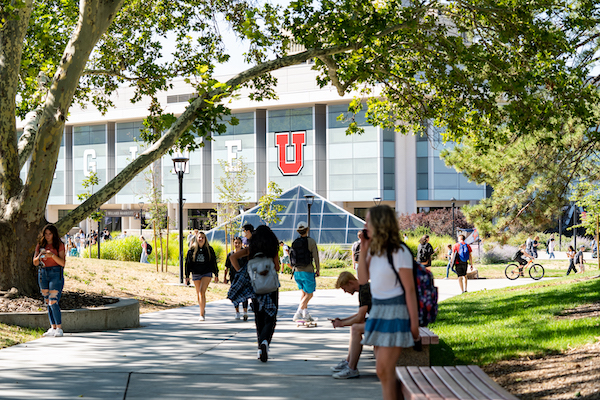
(56, 241)
(264, 241)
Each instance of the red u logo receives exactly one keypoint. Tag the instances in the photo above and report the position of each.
(282, 141)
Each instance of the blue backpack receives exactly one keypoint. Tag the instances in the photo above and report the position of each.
(463, 252)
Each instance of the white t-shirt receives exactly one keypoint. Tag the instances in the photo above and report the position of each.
(383, 280)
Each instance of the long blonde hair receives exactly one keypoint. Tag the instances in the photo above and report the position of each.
(195, 245)
(385, 231)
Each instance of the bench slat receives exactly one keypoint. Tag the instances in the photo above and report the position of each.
(423, 383)
(433, 338)
(457, 389)
(491, 383)
(473, 391)
(478, 383)
(410, 390)
(437, 384)
(425, 337)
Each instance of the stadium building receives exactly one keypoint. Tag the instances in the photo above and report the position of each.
(294, 140)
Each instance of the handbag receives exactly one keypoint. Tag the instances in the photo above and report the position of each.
(263, 276)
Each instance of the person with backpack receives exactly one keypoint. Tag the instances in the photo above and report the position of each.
(144, 256)
(304, 251)
(461, 252)
(262, 243)
(425, 251)
(237, 243)
(393, 322)
(201, 262)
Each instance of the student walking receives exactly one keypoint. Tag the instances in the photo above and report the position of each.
(425, 251)
(462, 254)
(237, 244)
(144, 256)
(551, 244)
(201, 262)
(579, 259)
(265, 306)
(449, 266)
(49, 256)
(571, 257)
(393, 322)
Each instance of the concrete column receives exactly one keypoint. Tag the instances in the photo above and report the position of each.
(406, 174)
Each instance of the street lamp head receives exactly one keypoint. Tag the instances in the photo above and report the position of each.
(453, 199)
(309, 199)
(377, 200)
(179, 163)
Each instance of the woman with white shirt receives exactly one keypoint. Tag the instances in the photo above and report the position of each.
(393, 321)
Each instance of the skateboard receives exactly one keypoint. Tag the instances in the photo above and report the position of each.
(306, 324)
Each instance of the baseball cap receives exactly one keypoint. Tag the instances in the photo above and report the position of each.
(302, 226)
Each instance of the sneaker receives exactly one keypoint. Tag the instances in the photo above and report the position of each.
(264, 351)
(259, 355)
(237, 315)
(58, 332)
(297, 316)
(346, 373)
(201, 319)
(308, 317)
(49, 332)
(341, 366)
(245, 316)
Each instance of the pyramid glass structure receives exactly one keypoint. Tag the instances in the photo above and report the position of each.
(328, 223)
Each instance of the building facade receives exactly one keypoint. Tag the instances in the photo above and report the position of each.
(300, 138)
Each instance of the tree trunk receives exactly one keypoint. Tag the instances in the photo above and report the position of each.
(16, 254)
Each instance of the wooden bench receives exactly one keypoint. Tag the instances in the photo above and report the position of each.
(440, 383)
(419, 358)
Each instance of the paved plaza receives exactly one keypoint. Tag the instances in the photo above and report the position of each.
(171, 356)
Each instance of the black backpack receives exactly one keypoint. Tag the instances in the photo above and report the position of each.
(148, 249)
(300, 253)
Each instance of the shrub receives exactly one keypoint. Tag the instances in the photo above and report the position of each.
(438, 222)
(330, 263)
(498, 255)
(439, 263)
(127, 249)
(334, 252)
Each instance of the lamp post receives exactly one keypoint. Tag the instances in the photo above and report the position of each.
(141, 204)
(179, 164)
(309, 202)
(453, 227)
(377, 200)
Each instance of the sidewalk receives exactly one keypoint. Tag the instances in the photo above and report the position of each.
(171, 356)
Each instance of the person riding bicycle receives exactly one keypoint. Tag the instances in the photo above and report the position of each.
(519, 258)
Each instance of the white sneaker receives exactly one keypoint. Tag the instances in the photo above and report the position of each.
(58, 332)
(49, 332)
(347, 373)
(308, 317)
(341, 366)
(259, 354)
(201, 318)
(264, 351)
(237, 315)
(297, 316)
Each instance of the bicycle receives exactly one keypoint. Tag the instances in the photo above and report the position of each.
(513, 271)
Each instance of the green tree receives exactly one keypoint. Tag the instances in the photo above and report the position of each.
(445, 61)
(88, 184)
(232, 194)
(267, 209)
(157, 209)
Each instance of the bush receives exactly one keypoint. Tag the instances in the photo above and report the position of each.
(334, 252)
(335, 263)
(438, 222)
(127, 249)
(498, 255)
(439, 263)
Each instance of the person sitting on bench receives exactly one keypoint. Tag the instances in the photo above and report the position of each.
(347, 368)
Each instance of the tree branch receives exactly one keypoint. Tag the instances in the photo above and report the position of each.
(27, 139)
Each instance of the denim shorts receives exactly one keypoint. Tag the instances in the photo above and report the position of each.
(306, 281)
(197, 277)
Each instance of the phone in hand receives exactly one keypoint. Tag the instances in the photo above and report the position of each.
(365, 234)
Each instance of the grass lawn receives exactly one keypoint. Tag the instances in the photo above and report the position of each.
(484, 327)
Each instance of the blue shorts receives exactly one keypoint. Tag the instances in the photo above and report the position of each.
(197, 277)
(306, 281)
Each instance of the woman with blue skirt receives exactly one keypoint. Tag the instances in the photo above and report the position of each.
(393, 322)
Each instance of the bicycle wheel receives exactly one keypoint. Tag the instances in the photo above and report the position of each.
(536, 271)
(512, 271)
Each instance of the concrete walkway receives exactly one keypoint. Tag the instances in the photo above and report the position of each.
(171, 356)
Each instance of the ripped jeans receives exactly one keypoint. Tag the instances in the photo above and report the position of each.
(51, 280)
